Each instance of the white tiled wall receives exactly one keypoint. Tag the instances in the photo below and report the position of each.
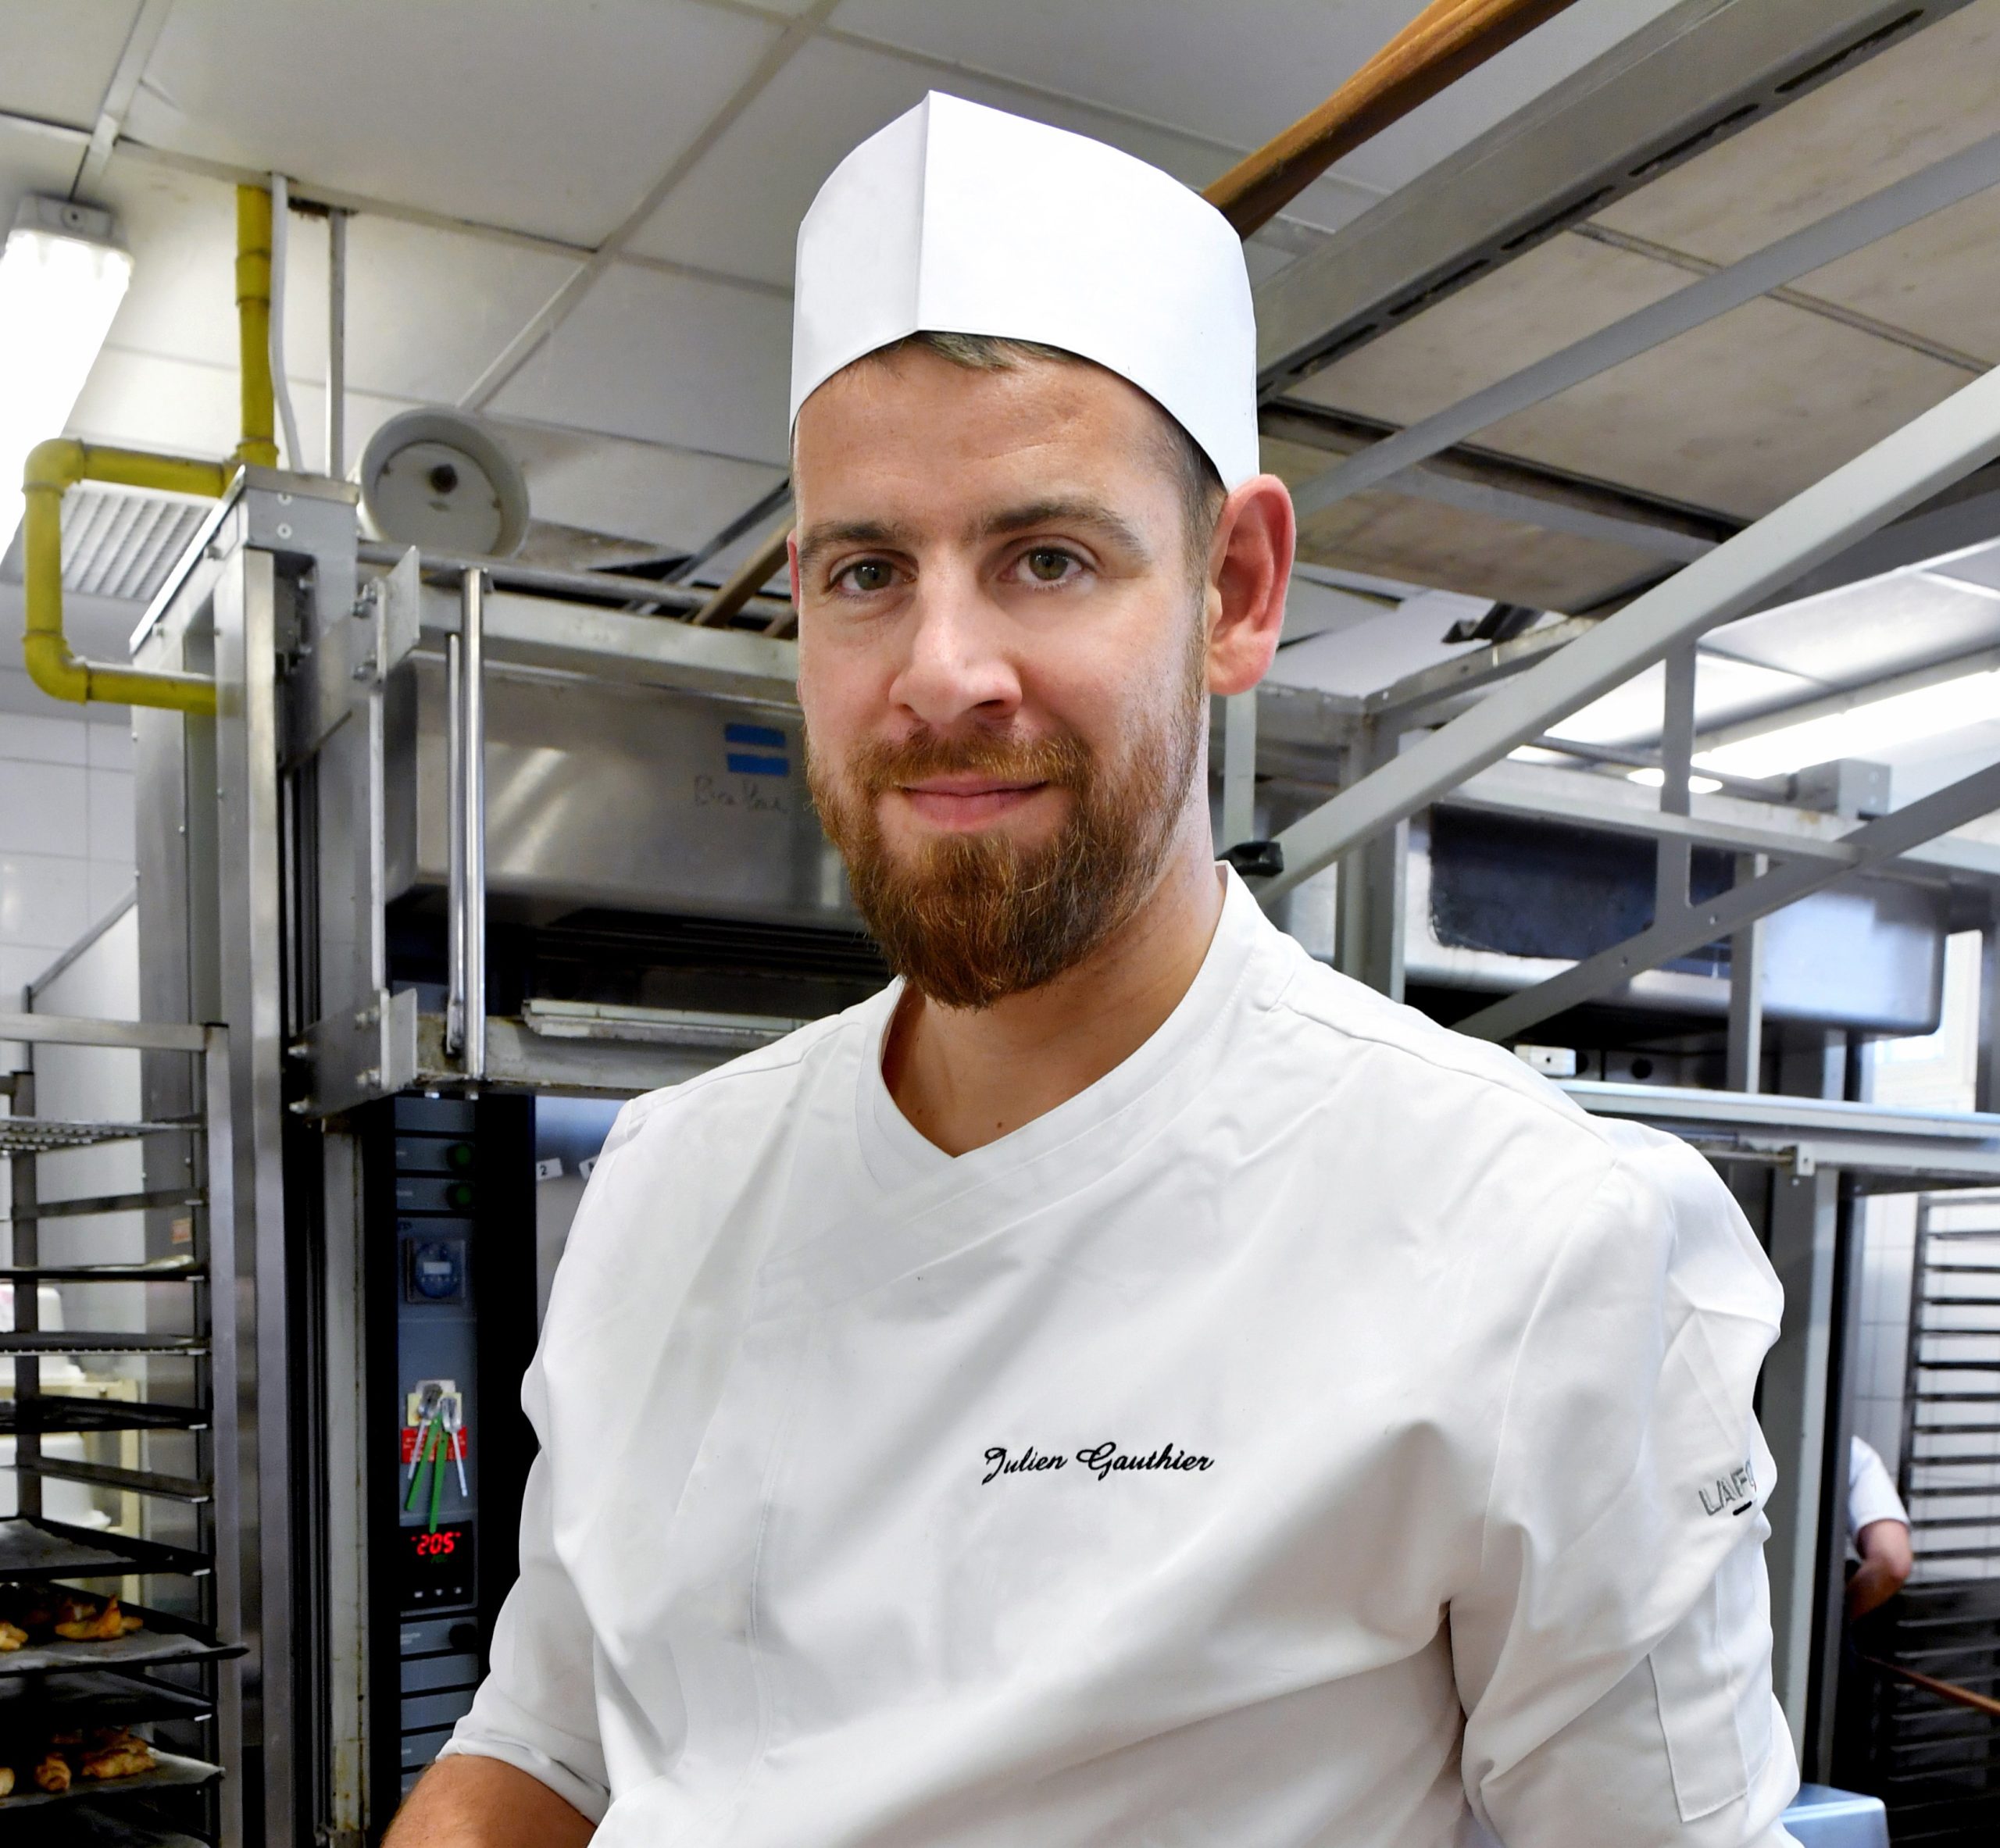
(65, 825)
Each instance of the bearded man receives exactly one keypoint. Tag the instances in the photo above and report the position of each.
(1124, 1384)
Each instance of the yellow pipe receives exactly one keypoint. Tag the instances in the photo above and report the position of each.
(253, 325)
(52, 468)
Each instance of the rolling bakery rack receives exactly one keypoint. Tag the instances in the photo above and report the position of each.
(164, 1360)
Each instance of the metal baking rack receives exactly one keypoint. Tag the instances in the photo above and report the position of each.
(176, 1680)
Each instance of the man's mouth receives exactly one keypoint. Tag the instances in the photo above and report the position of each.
(967, 801)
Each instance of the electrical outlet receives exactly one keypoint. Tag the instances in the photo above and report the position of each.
(447, 1391)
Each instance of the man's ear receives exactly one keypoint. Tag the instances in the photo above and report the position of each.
(1249, 567)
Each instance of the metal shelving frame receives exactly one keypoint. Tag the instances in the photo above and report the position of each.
(206, 1498)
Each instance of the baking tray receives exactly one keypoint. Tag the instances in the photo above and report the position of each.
(89, 1698)
(46, 1549)
(169, 1773)
(60, 1412)
(165, 1639)
(39, 1550)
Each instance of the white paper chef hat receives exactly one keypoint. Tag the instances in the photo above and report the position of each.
(962, 219)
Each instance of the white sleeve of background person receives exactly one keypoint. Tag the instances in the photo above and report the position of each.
(1871, 1496)
(1613, 1657)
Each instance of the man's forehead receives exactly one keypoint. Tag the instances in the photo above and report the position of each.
(949, 447)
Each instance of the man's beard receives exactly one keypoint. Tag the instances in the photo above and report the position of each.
(969, 919)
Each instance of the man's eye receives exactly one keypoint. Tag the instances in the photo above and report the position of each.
(870, 574)
(1047, 566)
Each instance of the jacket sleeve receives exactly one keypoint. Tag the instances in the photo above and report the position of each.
(1613, 1651)
(537, 1709)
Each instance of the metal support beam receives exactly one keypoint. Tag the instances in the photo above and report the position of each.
(1371, 895)
(1904, 469)
(1674, 856)
(336, 342)
(1679, 932)
(1743, 1059)
(1792, 1409)
(1838, 234)
(1239, 769)
(1986, 1080)
(1480, 480)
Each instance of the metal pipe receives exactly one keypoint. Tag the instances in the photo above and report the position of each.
(454, 850)
(281, 380)
(336, 342)
(472, 783)
(747, 579)
(1904, 469)
(52, 468)
(253, 325)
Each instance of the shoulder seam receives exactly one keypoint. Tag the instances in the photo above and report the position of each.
(806, 1037)
(1527, 1094)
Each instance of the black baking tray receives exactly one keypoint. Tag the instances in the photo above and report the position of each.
(30, 1707)
(171, 1772)
(47, 1549)
(59, 1412)
(165, 1639)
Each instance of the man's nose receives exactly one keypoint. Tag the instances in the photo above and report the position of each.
(957, 666)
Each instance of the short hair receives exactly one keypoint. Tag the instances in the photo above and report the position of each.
(1202, 491)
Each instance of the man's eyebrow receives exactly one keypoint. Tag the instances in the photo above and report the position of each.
(829, 534)
(1065, 510)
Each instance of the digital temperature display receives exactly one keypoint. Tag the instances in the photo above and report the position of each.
(436, 1568)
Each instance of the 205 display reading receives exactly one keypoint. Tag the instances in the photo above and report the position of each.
(436, 1568)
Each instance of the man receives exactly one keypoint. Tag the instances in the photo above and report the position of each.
(1124, 1384)
(1878, 1528)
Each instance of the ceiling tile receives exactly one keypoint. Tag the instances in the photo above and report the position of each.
(1568, 288)
(665, 359)
(671, 498)
(1899, 112)
(56, 57)
(1738, 415)
(1423, 542)
(426, 309)
(1236, 75)
(1933, 278)
(555, 120)
(31, 162)
(738, 211)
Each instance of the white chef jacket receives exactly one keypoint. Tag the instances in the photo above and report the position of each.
(1871, 1495)
(1317, 1432)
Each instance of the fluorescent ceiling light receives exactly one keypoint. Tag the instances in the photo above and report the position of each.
(1924, 713)
(62, 278)
(1697, 785)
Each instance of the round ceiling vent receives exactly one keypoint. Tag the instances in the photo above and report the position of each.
(439, 481)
